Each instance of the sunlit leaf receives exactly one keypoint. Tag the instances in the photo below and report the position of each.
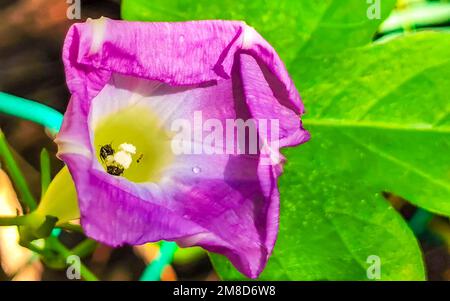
(294, 28)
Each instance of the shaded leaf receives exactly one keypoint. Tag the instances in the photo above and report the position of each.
(380, 117)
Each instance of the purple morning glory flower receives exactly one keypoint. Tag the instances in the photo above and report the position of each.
(142, 135)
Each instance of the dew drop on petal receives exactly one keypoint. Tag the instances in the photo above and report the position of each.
(196, 169)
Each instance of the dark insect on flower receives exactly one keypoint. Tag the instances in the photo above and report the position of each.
(140, 158)
(105, 151)
(114, 170)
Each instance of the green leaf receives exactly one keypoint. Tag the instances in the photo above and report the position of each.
(328, 232)
(292, 27)
(381, 115)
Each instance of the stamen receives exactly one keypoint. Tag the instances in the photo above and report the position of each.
(123, 158)
(117, 162)
(127, 147)
(109, 160)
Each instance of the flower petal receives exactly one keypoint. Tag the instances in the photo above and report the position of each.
(226, 203)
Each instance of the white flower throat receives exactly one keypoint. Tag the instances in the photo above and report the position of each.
(132, 143)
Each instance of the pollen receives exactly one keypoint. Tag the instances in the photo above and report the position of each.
(123, 158)
(128, 147)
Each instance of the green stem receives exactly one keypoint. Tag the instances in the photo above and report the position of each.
(31, 246)
(30, 110)
(45, 171)
(15, 173)
(85, 248)
(71, 227)
(13, 220)
(63, 251)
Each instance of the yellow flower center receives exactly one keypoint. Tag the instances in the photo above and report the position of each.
(137, 127)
